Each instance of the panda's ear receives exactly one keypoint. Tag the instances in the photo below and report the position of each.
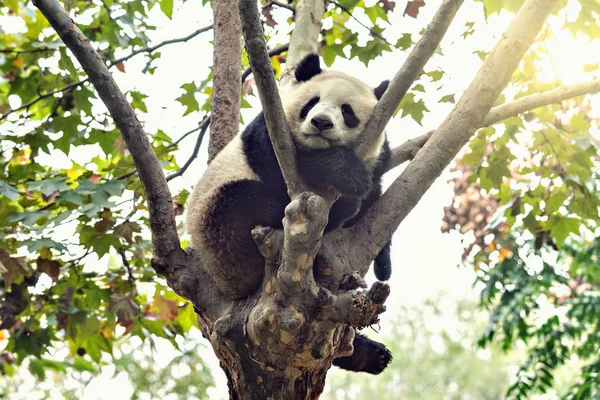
(380, 90)
(308, 67)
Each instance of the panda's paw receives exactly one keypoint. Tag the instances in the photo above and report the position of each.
(379, 360)
(354, 183)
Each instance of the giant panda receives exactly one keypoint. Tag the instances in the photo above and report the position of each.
(243, 187)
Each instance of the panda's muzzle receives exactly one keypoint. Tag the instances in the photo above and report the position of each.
(321, 123)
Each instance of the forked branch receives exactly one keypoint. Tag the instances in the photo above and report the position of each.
(376, 227)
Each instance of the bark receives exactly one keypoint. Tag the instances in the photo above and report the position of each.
(308, 16)
(227, 67)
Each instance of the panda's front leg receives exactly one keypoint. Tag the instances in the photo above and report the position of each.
(335, 167)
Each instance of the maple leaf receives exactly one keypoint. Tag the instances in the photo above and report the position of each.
(49, 267)
(165, 308)
(124, 307)
(412, 8)
(12, 268)
(266, 12)
(387, 5)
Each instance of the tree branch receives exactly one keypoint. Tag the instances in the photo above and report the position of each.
(304, 41)
(167, 250)
(269, 95)
(406, 151)
(376, 227)
(275, 51)
(111, 64)
(227, 68)
(410, 70)
(280, 4)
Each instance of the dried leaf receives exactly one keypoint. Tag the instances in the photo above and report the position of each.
(387, 5)
(266, 12)
(11, 267)
(412, 8)
(49, 267)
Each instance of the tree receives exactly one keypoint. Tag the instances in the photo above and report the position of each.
(280, 341)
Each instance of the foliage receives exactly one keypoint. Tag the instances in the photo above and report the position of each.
(435, 357)
(74, 245)
(526, 198)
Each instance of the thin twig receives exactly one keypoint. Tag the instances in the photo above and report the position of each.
(28, 51)
(280, 4)
(111, 64)
(371, 31)
(180, 171)
(275, 51)
(70, 86)
(151, 49)
(127, 265)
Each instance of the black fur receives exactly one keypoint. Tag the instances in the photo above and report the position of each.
(336, 167)
(350, 119)
(369, 356)
(380, 90)
(308, 68)
(308, 106)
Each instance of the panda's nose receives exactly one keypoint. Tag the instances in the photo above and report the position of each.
(322, 124)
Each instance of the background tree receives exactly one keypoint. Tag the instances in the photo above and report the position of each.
(48, 103)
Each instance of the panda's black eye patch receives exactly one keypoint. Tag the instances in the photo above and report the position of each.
(308, 106)
(350, 119)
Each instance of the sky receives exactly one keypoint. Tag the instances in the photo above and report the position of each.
(424, 260)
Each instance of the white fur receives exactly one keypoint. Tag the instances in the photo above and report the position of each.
(334, 89)
(228, 166)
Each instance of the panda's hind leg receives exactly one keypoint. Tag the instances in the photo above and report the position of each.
(369, 356)
(238, 208)
(383, 263)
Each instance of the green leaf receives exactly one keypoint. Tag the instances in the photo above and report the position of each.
(562, 227)
(166, 7)
(8, 191)
(435, 75)
(409, 106)
(48, 186)
(138, 101)
(405, 41)
(188, 99)
(37, 368)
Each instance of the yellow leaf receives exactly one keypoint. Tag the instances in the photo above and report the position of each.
(74, 173)
(18, 62)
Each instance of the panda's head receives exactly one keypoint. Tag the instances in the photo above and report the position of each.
(327, 108)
